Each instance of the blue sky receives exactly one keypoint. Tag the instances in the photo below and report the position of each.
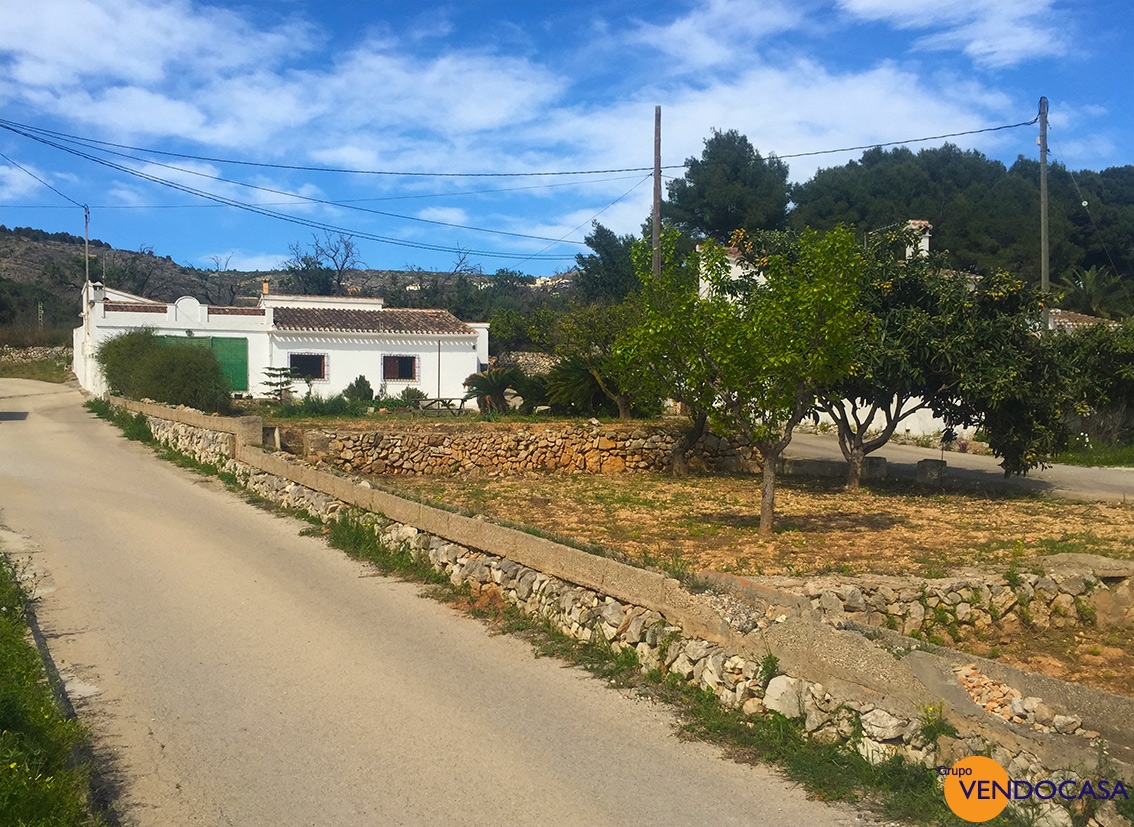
(447, 89)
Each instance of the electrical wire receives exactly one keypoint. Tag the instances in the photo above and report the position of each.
(15, 126)
(340, 203)
(600, 212)
(41, 135)
(1087, 208)
(911, 140)
(231, 202)
(297, 196)
(36, 177)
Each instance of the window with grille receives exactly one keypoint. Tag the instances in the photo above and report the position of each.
(400, 368)
(308, 365)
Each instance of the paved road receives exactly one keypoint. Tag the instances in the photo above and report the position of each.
(249, 676)
(1113, 484)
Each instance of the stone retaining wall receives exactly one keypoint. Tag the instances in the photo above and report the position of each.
(33, 354)
(840, 686)
(1078, 590)
(204, 445)
(568, 448)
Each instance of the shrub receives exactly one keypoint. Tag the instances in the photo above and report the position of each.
(184, 375)
(533, 392)
(410, 395)
(120, 358)
(138, 365)
(360, 389)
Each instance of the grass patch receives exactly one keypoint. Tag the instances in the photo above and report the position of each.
(358, 534)
(133, 426)
(46, 370)
(1100, 456)
(40, 781)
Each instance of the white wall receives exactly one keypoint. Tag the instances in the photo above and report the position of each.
(922, 423)
(349, 356)
(185, 316)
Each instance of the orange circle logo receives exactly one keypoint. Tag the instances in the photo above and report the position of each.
(976, 788)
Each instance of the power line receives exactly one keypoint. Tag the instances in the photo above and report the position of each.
(36, 177)
(910, 140)
(339, 203)
(231, 202)
(309, 199)
(16, 127)
(1087, 208)
(596, 215)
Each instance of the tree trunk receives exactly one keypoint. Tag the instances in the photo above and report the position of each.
(855, 460)
(623, 406)
(768, 497)
(678, 464)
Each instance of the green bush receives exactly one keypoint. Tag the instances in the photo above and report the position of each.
(313, 405)
(360, 390)
(185, 375)
(120, 358)
(138, 365)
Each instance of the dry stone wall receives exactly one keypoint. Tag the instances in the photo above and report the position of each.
(575, 449)
(1081, 589)
(205, 446)
(33, 354)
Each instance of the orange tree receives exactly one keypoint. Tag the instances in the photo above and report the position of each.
(754, 341)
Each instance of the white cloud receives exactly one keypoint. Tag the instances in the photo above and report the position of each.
(993, 33)
(715, 31)
(16, 184)
(427, 98)
(136, 41)
(449, 215)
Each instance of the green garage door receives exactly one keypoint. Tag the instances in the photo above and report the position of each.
(233, 357)
(231, 352)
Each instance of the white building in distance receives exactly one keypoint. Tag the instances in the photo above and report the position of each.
(328, 340)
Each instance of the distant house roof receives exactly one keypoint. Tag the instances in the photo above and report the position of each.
(1070, 320)
(370, 321)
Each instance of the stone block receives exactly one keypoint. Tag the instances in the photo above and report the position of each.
(930, 470)
(785, 696)
(882, 726)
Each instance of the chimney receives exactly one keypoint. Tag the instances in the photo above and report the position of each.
(921, 228)
(264, 287)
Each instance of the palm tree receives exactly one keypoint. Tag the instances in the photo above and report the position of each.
(490, 386)
(1095, 291)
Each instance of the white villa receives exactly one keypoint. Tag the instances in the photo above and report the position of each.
(330, 340)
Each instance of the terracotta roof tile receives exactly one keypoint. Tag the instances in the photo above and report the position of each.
(1068, 319)
(387, 320)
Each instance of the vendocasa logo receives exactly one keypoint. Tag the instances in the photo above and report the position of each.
(978, 789)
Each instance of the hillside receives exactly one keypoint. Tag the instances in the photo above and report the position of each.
(40, 268)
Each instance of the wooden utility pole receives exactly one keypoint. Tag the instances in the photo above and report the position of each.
(657, 195)
(87, 243)
(1045, 275)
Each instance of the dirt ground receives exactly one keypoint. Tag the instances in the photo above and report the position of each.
(711, 523)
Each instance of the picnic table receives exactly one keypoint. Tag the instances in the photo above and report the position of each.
(453, 405)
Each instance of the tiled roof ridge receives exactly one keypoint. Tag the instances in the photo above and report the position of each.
(383, 320)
